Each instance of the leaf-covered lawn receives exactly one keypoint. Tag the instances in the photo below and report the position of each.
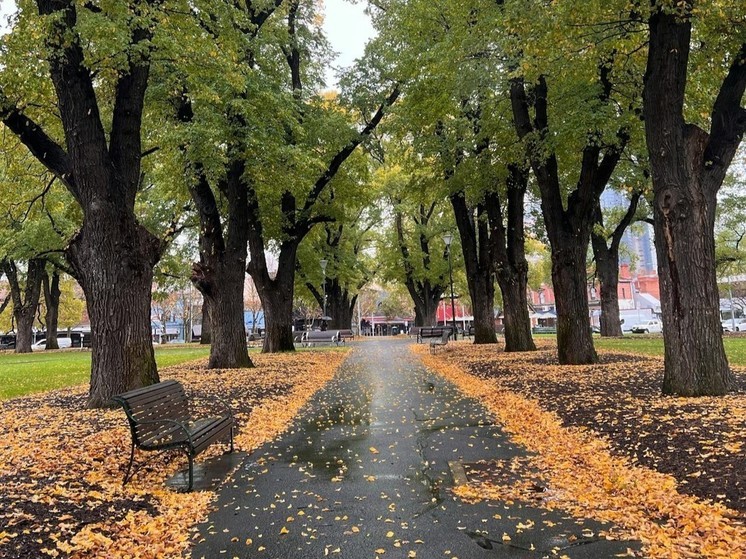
(29, 373)
(669, 471)
(61, 466)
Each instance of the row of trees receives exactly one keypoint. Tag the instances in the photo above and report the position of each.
(159, 117)
(510, 94)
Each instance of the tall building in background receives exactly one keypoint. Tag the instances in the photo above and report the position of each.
(638, 239)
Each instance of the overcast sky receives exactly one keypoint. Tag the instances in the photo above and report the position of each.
(348, 30)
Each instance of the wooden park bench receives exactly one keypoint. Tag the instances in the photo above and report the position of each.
(344, 335)
(313, 337)
(427, 332)
(160, 419)
(441, 341)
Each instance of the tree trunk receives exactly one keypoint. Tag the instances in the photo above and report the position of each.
(425, 313)
(509, 256)
(222, 288)
(52, 295)
(25, 300)
(338, 305)
(688, 167)
(574, 334)
(607, 266)
(479, 267)
(277, 300)
(517, 323)
(113, 259)
(608, 277)
(482, 291)
(220, 273)
(206, 335)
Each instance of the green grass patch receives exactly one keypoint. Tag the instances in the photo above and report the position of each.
(27, 373)
(735, 346)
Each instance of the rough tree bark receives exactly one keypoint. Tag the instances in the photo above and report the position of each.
(25, 297)
(475, 245)
(52, 294)
(509, 255)
(340, 305)
(607, 266)
(425, 292)
(206, 333)
(219, 275)
(568, 229)
(688, 167)
(112, 255)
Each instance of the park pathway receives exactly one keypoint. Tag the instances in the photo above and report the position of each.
(364, 472)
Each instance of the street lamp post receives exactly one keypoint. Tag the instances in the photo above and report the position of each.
(448, 238)
(323, 263)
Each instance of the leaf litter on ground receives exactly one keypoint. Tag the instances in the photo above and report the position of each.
(607, 445)
(61, 465)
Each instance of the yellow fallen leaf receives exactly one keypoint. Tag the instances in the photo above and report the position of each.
(284, 530)
(373, 449)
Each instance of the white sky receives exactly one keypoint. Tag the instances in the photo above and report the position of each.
(348, 30)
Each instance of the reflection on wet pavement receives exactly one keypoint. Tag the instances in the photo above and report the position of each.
(364, 472)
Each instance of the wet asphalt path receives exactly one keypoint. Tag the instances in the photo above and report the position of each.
(364, 473)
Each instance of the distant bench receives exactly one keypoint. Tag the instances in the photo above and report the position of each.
(544, 330)
(313, 337)
(426, 332)
(345, 335)
(160, 419)
(440, 341)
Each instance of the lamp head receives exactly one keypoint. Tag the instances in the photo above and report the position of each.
(447, 238)
(323, 263)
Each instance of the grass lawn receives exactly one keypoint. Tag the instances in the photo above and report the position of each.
(735, 346)
(22, 374)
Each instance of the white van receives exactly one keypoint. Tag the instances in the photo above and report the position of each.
(61, 342)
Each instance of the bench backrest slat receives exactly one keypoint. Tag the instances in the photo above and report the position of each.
(164, 400)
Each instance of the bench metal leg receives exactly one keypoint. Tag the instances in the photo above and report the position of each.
(129, 466)
(231, 438)
(191, 472)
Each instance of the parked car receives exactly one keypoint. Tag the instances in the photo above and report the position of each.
(62, 342)
(648, 326)
(740, 325)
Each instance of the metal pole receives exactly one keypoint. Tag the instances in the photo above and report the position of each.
(453, 304)
(732, 314)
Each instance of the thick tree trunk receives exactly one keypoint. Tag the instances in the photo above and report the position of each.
(688, 166)
(113, 259)
(425, 314)
(220, 274)
(206, 335)
(338, 305)
(277, 300)
(608, 278)
(517, 322)
(426, 299)
(52, 295)
(482, 291)
(25, 300)
(222, 288)
(574, 334)
(479, 267)
(509, 255)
